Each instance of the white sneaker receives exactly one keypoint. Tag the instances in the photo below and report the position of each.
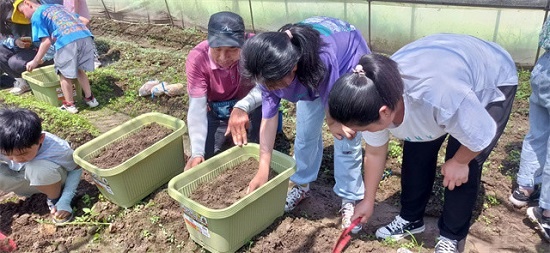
(347, 210)
(69, 107)
(97, 63)
(91, 102)
(20, 86)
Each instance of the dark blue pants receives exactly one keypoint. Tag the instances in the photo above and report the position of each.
(215, 138)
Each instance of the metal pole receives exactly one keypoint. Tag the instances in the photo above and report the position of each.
(106, 11)
(251, 15)
(370, 22)
(169, 14)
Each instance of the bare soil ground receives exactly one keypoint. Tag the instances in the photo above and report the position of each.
(156, 224)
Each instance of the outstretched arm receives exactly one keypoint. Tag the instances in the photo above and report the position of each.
(42, 50)
(374, 164)
(268, 130)
(197, 124)
(238, 120)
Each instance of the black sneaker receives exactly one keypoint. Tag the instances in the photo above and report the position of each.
(400, 228)
(535, 215)
(520, 199)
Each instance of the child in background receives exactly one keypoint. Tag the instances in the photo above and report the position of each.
(74, 45)
(16, 49)
(533, 177)
(33, 161)
(79, 7)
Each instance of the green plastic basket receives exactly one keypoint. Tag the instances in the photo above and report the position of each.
(137, 177)
(44, 83)
(227, 229)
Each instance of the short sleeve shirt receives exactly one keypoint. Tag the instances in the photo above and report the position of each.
(449, 79)
(55, 21)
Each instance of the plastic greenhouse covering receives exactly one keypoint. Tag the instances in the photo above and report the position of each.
(386, 25)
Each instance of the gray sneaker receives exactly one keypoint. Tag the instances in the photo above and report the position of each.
(20, 86)
(446, 245)
(535, 215)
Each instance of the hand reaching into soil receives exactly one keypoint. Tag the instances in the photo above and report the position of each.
(256, 182)
(237, 125)
(192, 162)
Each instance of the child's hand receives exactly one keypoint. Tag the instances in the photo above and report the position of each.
(192, 162)
(31, 65)
(454, 173)
(256, 182)
(237, 125)
(363, 209)
(340, 131)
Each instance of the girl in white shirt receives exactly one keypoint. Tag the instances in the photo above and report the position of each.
(443, 85)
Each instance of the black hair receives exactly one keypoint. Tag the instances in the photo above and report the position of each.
(20, 129)
(356, 98)
(6, 9)
(270, 56)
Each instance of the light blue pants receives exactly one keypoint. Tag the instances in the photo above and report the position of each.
(308, 152)
(534, 166)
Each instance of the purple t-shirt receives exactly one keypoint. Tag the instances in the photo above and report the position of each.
(345, 46)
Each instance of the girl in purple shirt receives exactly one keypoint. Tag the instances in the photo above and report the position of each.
(300, 63)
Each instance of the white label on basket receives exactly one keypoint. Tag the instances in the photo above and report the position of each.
(195, 216)
(102, 183)
(196, 225)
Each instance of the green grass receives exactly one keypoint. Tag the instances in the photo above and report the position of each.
(524, 87)
(54, 120)
(117, 84)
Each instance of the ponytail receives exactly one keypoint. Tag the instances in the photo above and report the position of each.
(357, 97)
(269, 57)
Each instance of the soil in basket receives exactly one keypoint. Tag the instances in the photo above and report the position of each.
(229, 187)
(119, 151)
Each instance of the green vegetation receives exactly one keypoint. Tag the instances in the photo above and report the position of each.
(524, 87)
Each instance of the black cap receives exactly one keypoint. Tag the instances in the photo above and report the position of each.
(225, 29)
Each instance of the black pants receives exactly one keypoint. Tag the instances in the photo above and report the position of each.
(216, 138)
(418, 174)
(14, 62)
